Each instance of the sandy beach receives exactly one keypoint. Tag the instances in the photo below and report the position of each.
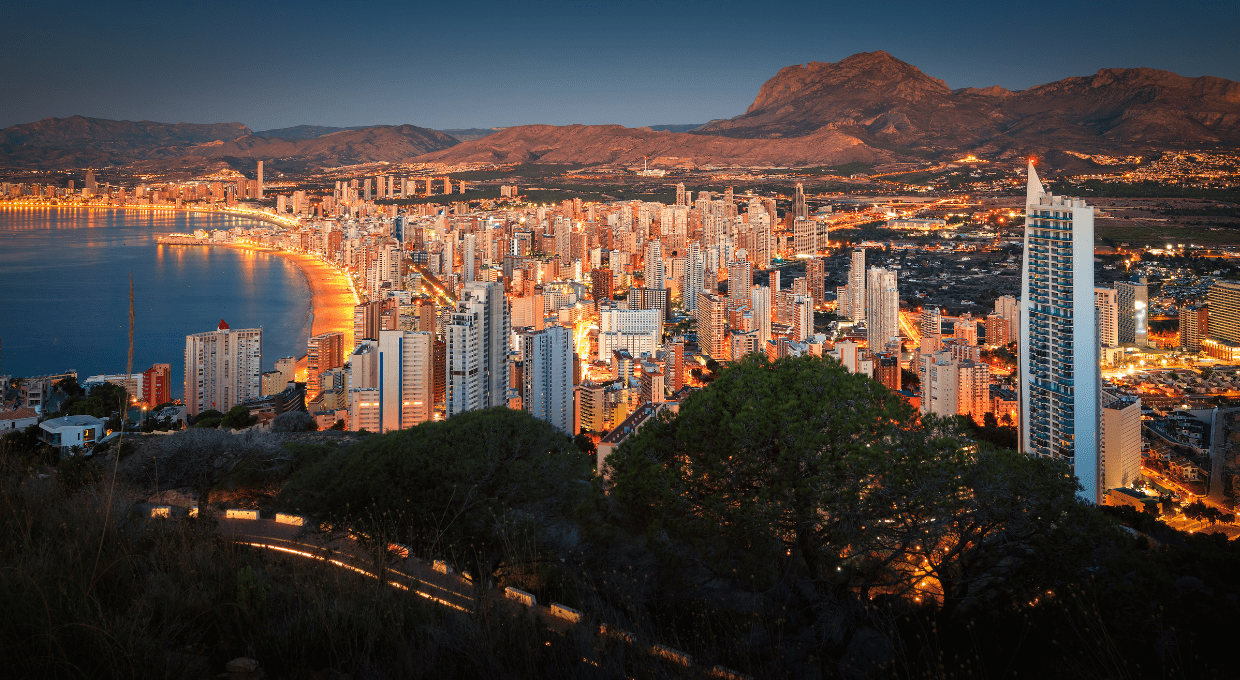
(331, 297)
(331, 302)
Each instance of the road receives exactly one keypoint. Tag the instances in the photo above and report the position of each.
(1182, 523)
(412, 574)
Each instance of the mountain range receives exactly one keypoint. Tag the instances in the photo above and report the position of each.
(869, 107)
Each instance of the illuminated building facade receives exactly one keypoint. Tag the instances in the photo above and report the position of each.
(1059, 372)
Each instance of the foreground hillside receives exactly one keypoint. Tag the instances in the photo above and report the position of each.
(793, 520)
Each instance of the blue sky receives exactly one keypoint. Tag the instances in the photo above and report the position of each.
(482, 64)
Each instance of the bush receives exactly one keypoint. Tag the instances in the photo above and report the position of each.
(294, 421)
(238, 418)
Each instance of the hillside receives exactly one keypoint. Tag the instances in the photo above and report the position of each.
(869, 107)
(391, 143)
(79, 142)
(615, 144)
(884, 101)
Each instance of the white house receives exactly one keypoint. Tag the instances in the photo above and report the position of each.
(18, 419)
(69, 431)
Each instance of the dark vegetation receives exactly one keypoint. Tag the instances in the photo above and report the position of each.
(1147, 189)
(793, 520)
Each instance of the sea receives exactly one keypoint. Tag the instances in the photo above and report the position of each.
(64, 291)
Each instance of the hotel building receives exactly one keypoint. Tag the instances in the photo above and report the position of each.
(1059, 372)
(223, 368)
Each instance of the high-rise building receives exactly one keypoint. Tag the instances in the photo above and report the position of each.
(1105, 299)
(258, 189)
(680, 195)
(635, 330)
(223, 368)
(364, 365)
(1194, 326)
(931, 321)
(761, 304)
(654, 274)
(156, 386)
(965, 330)
(953, 386)
(676, 363)
(427, 316)
(1008, 307)
(802, 317)
(740, 280)
(1224, 317)
(815, 279)
(547, 376)
(882, 308)
(856, 286)
(323, 353)
(563, 233)
(602, 286)
(1059, 371)
(1119, 442)
(996, 329)
(712, 326)
(887, 370)
(366, 318)
(406, 379)
(468, 255)
(1133, 300)
(694, 279)
(799, 207)
(804, 236)
(854, 357)
(477, 349)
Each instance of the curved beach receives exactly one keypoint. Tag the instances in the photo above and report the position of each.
(331, 296)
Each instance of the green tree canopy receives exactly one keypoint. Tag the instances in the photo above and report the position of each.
(799, 471)
(237, 418)
(466, 489)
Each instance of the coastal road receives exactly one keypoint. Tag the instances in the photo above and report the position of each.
(412, 574)
(445, 589)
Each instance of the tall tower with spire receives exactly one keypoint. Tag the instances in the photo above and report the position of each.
(1059, 378)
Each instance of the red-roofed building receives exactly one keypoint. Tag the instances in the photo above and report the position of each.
(18, 419)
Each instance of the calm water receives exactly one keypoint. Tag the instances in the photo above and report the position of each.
(64, 285)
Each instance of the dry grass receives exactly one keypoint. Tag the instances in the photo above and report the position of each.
(171, 599)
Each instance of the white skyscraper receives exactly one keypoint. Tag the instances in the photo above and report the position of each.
(477, 349)
(468, 253)
(761, 303)
(1108, 316)
(223, 368)
(1008, 307)
(1058, 334)
(406, 378)
(856, 286)
(804, 236)
(882, 307)
(547, 376)
(694, 279)
(654, 273)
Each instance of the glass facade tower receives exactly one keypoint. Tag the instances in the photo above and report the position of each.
(1059, 374)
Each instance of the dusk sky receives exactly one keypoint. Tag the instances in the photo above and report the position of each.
(481, 64)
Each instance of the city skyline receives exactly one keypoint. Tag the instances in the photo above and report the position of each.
(385, 74)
